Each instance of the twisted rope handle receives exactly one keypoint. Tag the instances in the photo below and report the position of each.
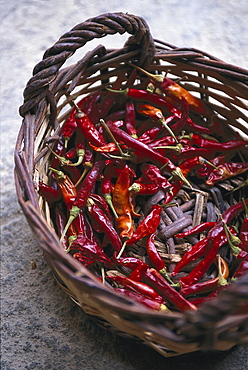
(106, 24)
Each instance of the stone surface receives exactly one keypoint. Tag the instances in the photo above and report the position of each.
(41, 327)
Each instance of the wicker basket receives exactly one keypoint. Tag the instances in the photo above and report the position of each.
(47, 99)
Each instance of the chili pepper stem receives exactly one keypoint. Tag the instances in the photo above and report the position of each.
(178, 173)
(123, 155)
(86, 169)
(233, 241)
(81, 153)
(177, 148)
(164, 273)
(63, 161)
(158, 78)
(103, 275)
(110, 203)
(59, 174)
(162, 120)
(74, 211)
(122, 250)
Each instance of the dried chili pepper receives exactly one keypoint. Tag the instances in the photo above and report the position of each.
(203, 142)
(242, 269)
(86, 261)
(147, 226)
(157, 115)
(130, 119)
(148, 302)
(243, 234)
(197, 250)
(153, 173)
(225, 171)
(209, 285)
(131, 262)
(205, 226)
(90, 249)
(144, 189)
(159, 283)
(139, 287)
(105, 224)
(48, 193)
(204, 264)
(153, 254)
(84, 191)
(121, 202)
(66, 186)
(89, 130)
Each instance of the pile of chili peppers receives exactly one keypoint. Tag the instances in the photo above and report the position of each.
(144, 192)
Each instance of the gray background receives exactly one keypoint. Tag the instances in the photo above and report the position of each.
(41, 327)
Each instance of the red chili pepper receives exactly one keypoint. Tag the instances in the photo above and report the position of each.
(209, 285)
(204, 264)
(174, 189)
(48, 193)
(242, 269)
(202, 142)
(66, 186)
(105, 224)
(148, 302)
(150, 135)
(89, 130)
(243, 234)
(79, 223)
(225, 171)
(130, 118)
(138, 273)
(154, 175)
(155, 280)
(101, 202)
(138, 287)
(153, 254)
(86, 261)
(84, 191)
(131, 262)
(90, 249)
(205, 226)
(70, 124)
(147, 226)
(144, 189)
(197, 250)
(108, 148)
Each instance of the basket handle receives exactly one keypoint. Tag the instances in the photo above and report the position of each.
(106, 24)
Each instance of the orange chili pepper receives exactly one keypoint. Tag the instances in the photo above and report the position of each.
(121, 202)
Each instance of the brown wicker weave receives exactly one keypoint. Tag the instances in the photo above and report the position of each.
(47, 98)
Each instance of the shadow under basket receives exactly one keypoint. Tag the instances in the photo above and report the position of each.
(48, 100)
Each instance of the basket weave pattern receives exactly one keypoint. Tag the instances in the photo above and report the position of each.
(47, 101)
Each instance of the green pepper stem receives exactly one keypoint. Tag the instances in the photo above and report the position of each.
(162, 120)
(233, 241)
(74, 211)
(110, 203)
(103, 123)
(60, 174)
(122, 250)
(63, 160)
